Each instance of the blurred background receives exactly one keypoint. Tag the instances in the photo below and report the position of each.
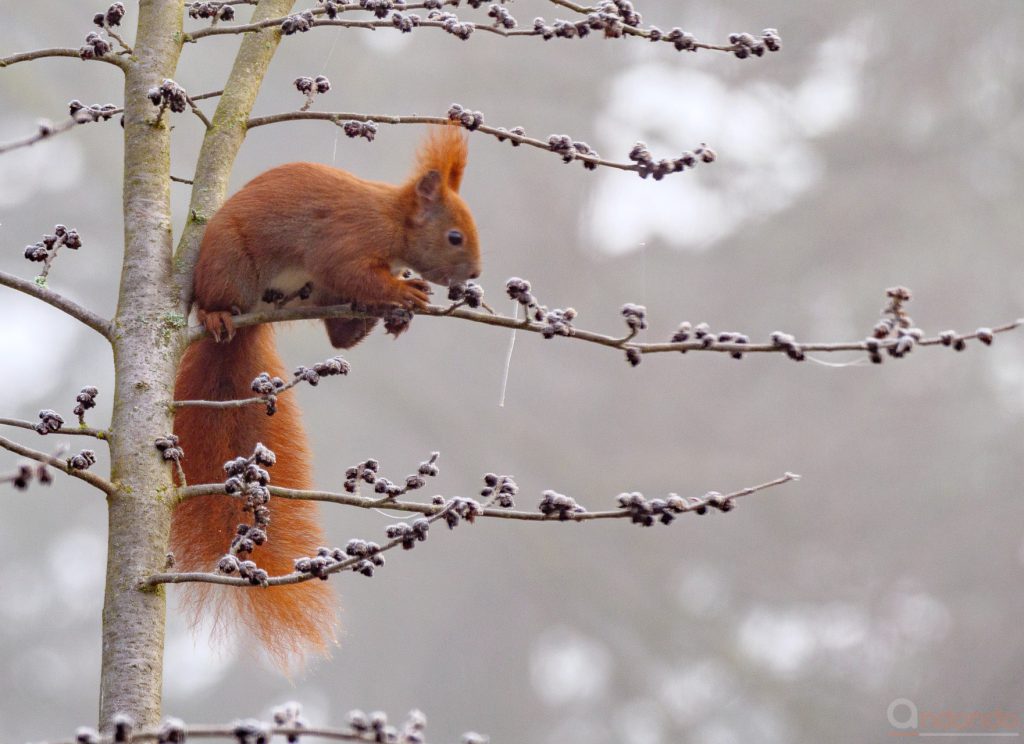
(881, 146)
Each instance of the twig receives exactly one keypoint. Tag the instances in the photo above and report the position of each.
(198, 112)
(84, 431)
(345, 311)
(230, 732)
(91, 478)
(433, 513)
(111, 58)
(626, 30)
(339, 118)
(237, 403)
(76, 311)
(433, 510)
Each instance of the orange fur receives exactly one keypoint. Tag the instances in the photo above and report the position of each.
(295, 223)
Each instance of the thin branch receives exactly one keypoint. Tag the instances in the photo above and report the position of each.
(623, 29)
(45, 130)
(177, 179)
(433, 510)
(433, 513)
(215, 731)
(76, 311)
(84, 431)
(91, 478)
(339, 118)
(615, 342)
(198, 112)
(111, 58)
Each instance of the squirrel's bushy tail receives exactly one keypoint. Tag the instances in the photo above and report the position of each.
(287, 622)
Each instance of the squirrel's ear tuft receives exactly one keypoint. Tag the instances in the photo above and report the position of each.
(446, 151)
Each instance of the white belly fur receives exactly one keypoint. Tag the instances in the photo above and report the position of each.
(290, 280)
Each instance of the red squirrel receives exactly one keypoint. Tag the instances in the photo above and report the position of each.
(295, 225)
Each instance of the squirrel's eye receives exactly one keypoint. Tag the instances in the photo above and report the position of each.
(455, 237)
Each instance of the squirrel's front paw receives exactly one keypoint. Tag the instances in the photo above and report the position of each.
(217, 322)
(415, 293)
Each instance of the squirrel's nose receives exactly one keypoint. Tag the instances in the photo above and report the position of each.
(474, 275)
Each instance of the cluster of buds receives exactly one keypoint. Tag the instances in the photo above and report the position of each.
(85, 400)
(83, 114)
(559, 505)
(365, 129)
(788, 342)
(397, 320)
(458, 508)
(95, 46)
(470, 294)
(169, 448)
(647, 166)
(367, 554)
(49, 421)
(894, 324)
(82, 461)
(409, 534)
(246, 569)
(519, 290)
(171, 731)
(112, 17)
(168, 95)
(248, 477)
(268, 387)
(327, 560)
(379, 8)
(571, 150)
(251, 731)
(702, 332)
(469, 119)
(746, 44)
(290, 716)
(557, 321)
(624, 9)
(503, 133)
(25, 472)
(561, 29)
(330, 8)
(959, 343)
(367, 472)
(500, 489)
(327, 368)
(683, 41)
(124, 725)
(311, 87)
(45, 250)
(636, 317)
(375, 727)
(298, 22)
(405, 23)
(644, 511)
(451, 23)
(502, 18)
(215, 11)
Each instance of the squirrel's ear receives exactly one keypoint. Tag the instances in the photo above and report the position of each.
(428, 187)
